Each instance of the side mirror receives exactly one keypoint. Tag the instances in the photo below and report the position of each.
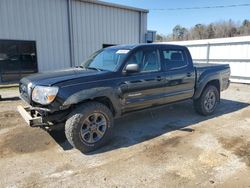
(132, 68)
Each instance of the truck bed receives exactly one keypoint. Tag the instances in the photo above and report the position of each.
(210, 65)
(222, 71)
(201, 67)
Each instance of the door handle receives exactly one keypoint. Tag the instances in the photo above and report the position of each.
(189, 74)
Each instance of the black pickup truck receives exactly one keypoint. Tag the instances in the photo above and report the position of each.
(115, 81)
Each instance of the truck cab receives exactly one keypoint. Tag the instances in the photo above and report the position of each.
(165, 74)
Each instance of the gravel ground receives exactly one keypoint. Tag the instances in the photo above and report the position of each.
(9, 93)
(167, 147)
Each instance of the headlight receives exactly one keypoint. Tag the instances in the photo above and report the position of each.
(44, 95)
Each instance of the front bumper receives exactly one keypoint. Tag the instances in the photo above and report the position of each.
(31, 116)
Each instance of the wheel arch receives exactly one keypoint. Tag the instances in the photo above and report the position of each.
(200, 89)
(105, 101)
(103, 95)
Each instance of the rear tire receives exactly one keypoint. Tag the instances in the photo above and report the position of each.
(89, 126)
(207, 102)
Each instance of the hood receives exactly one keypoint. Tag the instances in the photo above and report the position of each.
(53, 77)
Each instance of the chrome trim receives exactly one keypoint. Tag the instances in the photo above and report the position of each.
(134, 94)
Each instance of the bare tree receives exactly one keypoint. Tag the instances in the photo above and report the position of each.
(213, 30)
(210, 31)
(180, 33)
(245, 28)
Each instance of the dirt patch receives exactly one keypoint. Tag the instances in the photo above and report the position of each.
(9, 119)
(31, 181)
(238, 146)
(25, 140)
(171, 142)
(244, 151)
(244, 114)
(156, 151)
(64, 167)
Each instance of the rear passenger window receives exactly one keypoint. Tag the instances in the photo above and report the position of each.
(174, 59)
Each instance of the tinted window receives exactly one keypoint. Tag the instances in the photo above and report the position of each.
(17, 59)
(174, 59)
(148, 60)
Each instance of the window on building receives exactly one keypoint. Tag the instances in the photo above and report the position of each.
(17, 59)
(107, 45)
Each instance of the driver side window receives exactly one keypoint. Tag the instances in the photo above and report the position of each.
(147, 60)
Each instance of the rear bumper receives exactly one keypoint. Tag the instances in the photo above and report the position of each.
(30, 116)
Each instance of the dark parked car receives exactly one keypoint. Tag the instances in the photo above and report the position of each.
(115, 81)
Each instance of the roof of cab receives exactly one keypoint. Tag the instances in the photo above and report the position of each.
(132, 46)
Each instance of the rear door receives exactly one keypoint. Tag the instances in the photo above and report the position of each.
(179, 74)
(146, 87)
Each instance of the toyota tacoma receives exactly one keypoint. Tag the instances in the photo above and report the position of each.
(116, 81)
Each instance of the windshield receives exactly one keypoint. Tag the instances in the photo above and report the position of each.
(106, 59)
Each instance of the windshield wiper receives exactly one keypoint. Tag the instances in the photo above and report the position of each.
(80, 66)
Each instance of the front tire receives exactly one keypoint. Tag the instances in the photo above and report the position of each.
(207, 102)
(89, 126)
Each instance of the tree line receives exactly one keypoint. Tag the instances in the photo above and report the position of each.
(220, 29)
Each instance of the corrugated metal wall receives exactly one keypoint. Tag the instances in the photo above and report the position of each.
(44, 21)
(94, 25)
(233, 51)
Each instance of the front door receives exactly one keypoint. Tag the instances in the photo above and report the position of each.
(146, 87)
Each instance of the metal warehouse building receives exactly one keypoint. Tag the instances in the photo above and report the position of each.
(41, 35)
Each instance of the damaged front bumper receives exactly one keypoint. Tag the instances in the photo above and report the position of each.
(31, 116)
